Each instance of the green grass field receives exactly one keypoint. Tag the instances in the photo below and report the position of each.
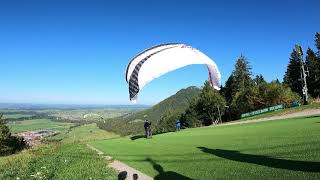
(56, 161)
(85, 133)
(283, 149)
(30, 125)
(15, 116)
(67, 159)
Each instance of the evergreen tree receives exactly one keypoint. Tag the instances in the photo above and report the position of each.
(292, 77)
(229, 90)
(259, 80)
(317, 42)
(242, 74)
(243, 93)
(313, 65)
(239, 80)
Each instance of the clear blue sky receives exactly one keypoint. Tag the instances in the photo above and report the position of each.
(76, 51)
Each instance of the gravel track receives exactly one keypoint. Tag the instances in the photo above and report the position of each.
(125, 172)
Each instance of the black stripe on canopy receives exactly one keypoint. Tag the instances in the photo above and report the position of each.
(154, 47)
(134, 80)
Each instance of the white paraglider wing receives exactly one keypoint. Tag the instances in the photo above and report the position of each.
(162, 59)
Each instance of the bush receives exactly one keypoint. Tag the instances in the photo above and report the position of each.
(209, 106)
(9, 144)
(189, 119)
(167, 122)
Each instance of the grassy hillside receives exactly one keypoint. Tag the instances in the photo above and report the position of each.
(56, 161)
(133, 123)
(178, 102)
(283, 149)
(68, 159)
(85, 133)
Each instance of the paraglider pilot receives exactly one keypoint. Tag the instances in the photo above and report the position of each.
(147, 128)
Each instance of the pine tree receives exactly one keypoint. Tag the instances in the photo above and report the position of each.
(317, 42)
(242, 74)
(241, 88)
(229, 90)
(313, 79)
(292, 77)
(259, 80)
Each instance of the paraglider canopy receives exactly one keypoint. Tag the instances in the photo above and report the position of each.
(162, 59)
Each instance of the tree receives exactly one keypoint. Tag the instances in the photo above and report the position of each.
(9, 144)
(189, 118)
(244, 101)
(237, 84)
(313, 65)
(279, 94)
(4, 136)
(317, 42)
(242, 74)
(259, 80)
(167, 122)
(292, 77)
(210, 105)
(230, 88)
(240, 88)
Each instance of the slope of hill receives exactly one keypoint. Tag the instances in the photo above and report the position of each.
(132, 123)
(179, 102)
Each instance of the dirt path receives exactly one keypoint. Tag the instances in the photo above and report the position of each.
(303, 113)
(125, 172)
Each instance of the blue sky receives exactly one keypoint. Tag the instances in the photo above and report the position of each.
(75, 52)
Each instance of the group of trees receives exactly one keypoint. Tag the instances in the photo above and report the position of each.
(9, 144)
(293, 77)
(242, 93)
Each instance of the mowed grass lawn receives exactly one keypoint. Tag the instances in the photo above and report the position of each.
(283, 149)
(30, 125)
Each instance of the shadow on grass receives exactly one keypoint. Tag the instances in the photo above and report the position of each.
(123, 175)
(306, 166)
(164, 175)
(137, 137)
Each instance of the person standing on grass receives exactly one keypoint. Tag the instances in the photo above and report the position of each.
(146, 128)
(149, 130)
(178, 125)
